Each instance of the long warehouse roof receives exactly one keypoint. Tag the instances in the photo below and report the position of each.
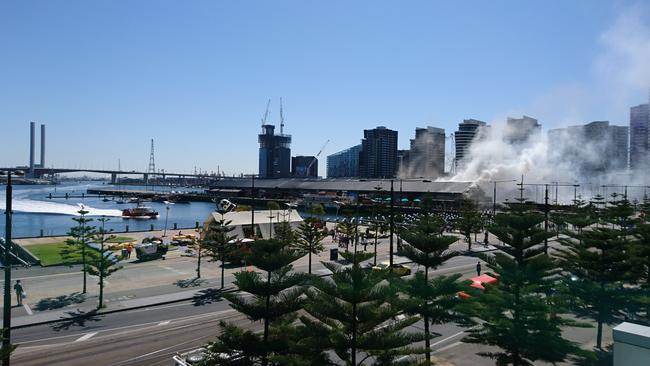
(407, 185)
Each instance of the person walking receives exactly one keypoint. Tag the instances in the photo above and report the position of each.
(485, 240)
(478, 268)
(129, 249)
(18, 287)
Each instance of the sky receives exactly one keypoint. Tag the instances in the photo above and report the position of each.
(106, 77)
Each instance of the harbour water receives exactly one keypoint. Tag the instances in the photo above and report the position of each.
(35, 212)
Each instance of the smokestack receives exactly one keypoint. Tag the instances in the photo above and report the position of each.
(32, 133)
(42, 146)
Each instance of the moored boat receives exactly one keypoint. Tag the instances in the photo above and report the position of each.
(140, 212)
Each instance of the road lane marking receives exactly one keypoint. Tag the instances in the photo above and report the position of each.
(144, 325)
(173, 270)
(28, 309)
(164, 322)
(85, 337)
(448, 338)
(448, 347)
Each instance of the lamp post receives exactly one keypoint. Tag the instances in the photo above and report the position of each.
(166, 217)
(392, 223)
(494, 193)
(6, 315)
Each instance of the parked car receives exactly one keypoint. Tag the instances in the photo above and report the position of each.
(478, 283)
(398, 269)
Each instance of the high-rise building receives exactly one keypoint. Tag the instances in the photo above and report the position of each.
(275, 153)
(467, 132)
(519, 130)
(344, 164)
(640, 137)
(378, 158)
(304, 166)
(427, 154)
(594, 148)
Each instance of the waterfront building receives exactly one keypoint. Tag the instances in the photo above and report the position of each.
(640, 137)
(468, 131)
(594, 148)
(304, 166)
(519, 130)
(426, 158)
(275, 153)
(378, 158)
(344, 164)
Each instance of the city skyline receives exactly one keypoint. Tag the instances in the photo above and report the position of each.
(203, 110)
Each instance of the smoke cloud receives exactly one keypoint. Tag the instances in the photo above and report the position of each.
(621, 74)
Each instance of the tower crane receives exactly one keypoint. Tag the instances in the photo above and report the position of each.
(266, 113)
(316, 157)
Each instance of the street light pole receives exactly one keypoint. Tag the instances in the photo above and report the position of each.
(392, 224)
(166, 217)
(6, 316)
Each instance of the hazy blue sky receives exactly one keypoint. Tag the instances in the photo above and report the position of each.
(107, 76)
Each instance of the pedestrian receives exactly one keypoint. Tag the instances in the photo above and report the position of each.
(485, 239)
(20, 292)
(129, 249)
(364, 242)
(478, 268)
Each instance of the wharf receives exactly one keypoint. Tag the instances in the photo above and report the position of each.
(179, 196)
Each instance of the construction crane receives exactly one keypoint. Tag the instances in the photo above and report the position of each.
(281, 118)
(266, 113)
(316, 157)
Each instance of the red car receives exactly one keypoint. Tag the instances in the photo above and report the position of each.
(478, 282)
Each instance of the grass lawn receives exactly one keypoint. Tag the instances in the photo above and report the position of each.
(50, 254)
(120, 239)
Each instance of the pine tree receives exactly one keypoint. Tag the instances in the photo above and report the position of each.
(469, 221)
(598, 261)
(641, 258)
(276, 295)
(516, 312)
(435, 300)
(101, 261)
(353, 314)
(310, 237)
(78, 246)
(218, 243)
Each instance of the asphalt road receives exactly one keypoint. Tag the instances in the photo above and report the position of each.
(151, 336)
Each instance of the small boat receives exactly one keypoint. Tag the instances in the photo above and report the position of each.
(105, 199)
(139, 212)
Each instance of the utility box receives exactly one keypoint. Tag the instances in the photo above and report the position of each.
(334, 254)
(631, 344)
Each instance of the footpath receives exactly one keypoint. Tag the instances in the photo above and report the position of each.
(53, 294)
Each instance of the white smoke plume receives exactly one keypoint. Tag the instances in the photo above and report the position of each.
(621, 74)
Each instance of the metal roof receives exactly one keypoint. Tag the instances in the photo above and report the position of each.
(363, 185)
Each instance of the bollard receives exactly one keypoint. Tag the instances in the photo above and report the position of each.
(151, 226)
(83, 195)
(196, 225)
(127, 228)
(175, 226)
(66, 196)
(50, 195)
(41, 233)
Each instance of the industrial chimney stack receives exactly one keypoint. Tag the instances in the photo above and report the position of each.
(32, 137)
(42, 146)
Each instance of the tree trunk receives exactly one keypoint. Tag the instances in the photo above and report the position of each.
(427, 341)
(266, 321)
(376, 237)
(353, 349)
(223, 270)
(83, 263)
(309, 267)
(198, 263)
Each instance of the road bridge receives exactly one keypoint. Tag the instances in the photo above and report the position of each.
(40, 172)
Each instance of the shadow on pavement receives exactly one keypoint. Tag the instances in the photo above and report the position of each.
(190, 282)
(77, 318)
(51, 303)
(207, 296)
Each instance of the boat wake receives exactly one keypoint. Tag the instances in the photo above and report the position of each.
(56, 208)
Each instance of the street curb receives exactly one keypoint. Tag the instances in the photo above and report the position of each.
(226, 290)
